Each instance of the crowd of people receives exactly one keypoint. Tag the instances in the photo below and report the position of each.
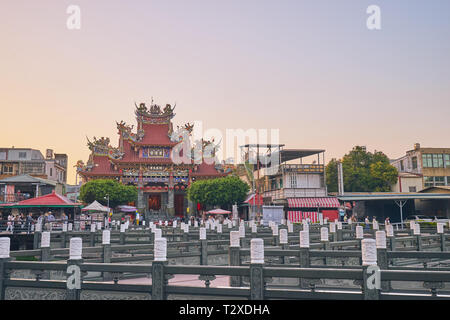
(21, 223)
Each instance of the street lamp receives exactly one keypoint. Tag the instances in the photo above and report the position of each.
(107, 198)
(107, 215)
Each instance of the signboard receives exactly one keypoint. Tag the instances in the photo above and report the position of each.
(272, 213)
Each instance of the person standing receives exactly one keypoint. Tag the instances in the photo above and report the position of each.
(10, 226)
(29, 222)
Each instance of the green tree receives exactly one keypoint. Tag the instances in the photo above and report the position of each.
(363, 172)
(98, 189)
(223, 192)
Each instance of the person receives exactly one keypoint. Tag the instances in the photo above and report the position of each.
(29, 222)
(10, 225)
(51, 219)
(387, 221)
(345, 218)
(366, 220)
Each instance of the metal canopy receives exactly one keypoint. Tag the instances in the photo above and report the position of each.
(391, 196)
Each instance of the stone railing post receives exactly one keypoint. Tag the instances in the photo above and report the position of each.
(159, 262)
(203, 247)
(219, 231)
(122, 234)
(64, 235)
(5, 244)
(234, 258)
(339, 232)
(371, 275)
(37, 235)
(390, 234)
(382, 256)
(416, 233)
(440, 231)
(45, 246)
(332, 230)
(151, 236)
(324, 239)
(107, 252)
(254, 231)
(284, 243)
(276, 241)
(186, 233)
(242, 235)
(74, 274)
(256, 269)
(304, 256)
(92, 235)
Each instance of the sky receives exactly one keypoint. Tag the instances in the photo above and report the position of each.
(311, 69)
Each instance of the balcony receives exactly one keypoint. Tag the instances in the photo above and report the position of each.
(15, 197)
(291, 168)
(295, 193)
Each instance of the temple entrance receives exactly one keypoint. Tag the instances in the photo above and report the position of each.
(179, 205)
(154, 201)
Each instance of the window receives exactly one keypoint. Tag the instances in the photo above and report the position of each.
(414, 162)
(438, 161)
(439, 181)
(51, 172)
(22, 155)
(7, 169)
(427, 161)
(448, 181)
(412, 189)
(293, 180)
(402, 167)
(428, 181)
(447, 160)
(281, 182)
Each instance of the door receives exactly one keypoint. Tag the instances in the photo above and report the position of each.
(154, 202)
(179, 205)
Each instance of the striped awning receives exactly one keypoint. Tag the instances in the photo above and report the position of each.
(325, 202)
(298, 216)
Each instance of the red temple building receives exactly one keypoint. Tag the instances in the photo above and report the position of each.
(145, 159)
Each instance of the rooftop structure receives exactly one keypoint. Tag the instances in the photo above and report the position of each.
(145, 158)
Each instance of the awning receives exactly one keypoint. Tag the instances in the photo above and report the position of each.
(252, 200)
(52, 200)
(96, 206)
(218, 211)
(325, 202)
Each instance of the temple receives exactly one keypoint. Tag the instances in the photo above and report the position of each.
(150, 160)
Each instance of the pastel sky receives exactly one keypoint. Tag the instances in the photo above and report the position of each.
(309, 68)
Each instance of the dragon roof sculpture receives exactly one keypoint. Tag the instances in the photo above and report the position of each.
(126, 132)
(101, 147)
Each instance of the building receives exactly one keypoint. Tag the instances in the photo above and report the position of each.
(398, 206)
(408, 182)
(24, 186)
(145, 159)
(56, 166)
(432, 164)
(20, 161)
(299, 187)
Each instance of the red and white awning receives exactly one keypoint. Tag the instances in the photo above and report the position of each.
(325, 202)
(298, 216)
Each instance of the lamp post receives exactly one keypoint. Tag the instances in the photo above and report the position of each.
(107, 198)
(107, 215)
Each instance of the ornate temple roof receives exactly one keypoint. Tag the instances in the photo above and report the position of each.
(154, 131)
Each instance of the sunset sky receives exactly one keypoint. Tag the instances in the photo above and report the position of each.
(311, 69)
